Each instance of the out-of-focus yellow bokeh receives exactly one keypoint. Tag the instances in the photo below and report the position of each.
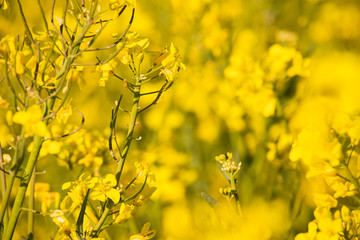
(269, 81)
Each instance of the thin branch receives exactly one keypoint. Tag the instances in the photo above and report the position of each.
(36, 65)
(121, 11)
(75, 18)
(44, 18)
(150, 79)
(72, 38)
(31, 204)
(340, 176)
(63, 40)
(138, 193)
(64, 15)
(352, 179)
(55, 93)
(117, 76)
(117, 144)
(103, 21)
(349, 158)
(53, 114)
(2, 79)
(97, 34)
(27, 29)
(161, 91)
(79, 7)
(16, 97)
(148, 93)
(31, 210)
(71, 133)
(120, 38)
(22, 84)
(131, 182)
(112, 127)
(3, 183)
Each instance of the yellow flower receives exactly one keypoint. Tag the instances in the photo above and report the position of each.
(105, 189)
(31, 120)
(142, 170)
(48, 147)
(119, 4)
(227, 164)
(60, 220)
(106, 70)
(134, 47)
(282, 59)
(133, 40)
(74, 73)
(3, 103)
(299, 66)
(4, 5)
(116, 4)
(7, 47)
(47, 198)
(6, 158)
(76, 195)
(125, 212)
(124, 56)
(172, 63)
(310, 235)
(64, 113)
(19, 66)
(340, 188)
(325, 201)
(145, 234)
(330, 224)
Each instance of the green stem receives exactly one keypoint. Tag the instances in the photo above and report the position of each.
(27, 30)
(44, 18)
(73, 52)
(31, 206)
(9, 231)
(129, 137)
(130, 133)
(3, 184)
(236, 195)
(101, 221)
(17, 159)
(353, 180)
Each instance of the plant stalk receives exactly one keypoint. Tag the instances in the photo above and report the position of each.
(9, 231)
(3, 185)
(129, 138)
(130, 133)
(17, 160)
(236, 195)
(31, 206)
(353, 180)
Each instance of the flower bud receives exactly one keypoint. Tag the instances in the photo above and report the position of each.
(140, 57)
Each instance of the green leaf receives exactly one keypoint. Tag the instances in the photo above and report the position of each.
(210, 200)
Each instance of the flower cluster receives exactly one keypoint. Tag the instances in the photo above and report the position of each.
(228, 165)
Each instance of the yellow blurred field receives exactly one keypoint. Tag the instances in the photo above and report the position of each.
(174, 120)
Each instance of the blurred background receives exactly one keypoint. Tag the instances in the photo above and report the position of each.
(258, 73)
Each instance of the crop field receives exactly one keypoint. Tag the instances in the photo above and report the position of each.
(180, 119)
